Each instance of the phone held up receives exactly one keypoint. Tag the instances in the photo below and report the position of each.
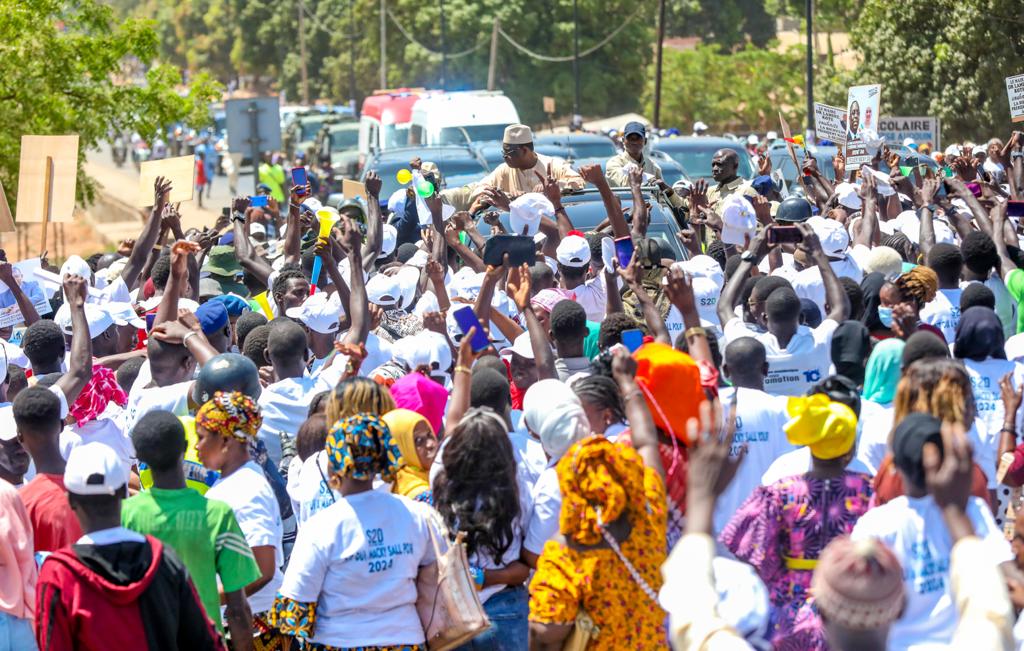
(300, 178)
(784, 235)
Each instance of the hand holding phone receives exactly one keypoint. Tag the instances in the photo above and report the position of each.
(632, 339)
(466, 319)
(624, 250)
(300, 179)
(784, 235)
(259, 201)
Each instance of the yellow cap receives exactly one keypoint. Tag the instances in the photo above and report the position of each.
(828, 428)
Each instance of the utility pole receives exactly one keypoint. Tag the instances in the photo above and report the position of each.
(492, 67)
(302, 52)
(444, 49)
(657, 65)
(577, 115)
(383, 44)
(351, 56)
(810, 71)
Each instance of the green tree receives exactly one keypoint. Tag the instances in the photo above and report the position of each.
(945, 58)
(62, 72)
(738, 92)
(728, 23)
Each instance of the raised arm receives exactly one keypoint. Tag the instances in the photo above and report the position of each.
(679, 290)
(518, 286)
(928, 190)
(462, 380)
(641, 216)
(374, 222)
(148, 237)
(186, 331)
(293, 236)
(80, 361)
(435, 274)
(247, 258)
(593, 175)
(1006, 263)
(631, 274)
(734, 287)
(834, 295)
(869, 212)
(643, 434)
(358, 307)
(167, 310)
(482, 306)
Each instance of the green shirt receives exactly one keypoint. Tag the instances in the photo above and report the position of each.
(204, 534)
(590, 347)
(1015, 285)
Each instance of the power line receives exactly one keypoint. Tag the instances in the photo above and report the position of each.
(434, 53)
(544, 57)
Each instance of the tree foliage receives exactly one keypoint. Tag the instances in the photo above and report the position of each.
(728, 23)
(738, 92)
(61, 72)
(944, 58)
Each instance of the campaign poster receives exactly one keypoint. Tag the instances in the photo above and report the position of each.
(830, 123)
(1015, 93)
(862, 123)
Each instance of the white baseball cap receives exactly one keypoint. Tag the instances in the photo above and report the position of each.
(320, 312)
(98, 318)
(703, 266)
(521, 346)
(526, 211)
(383, 290)
(408, 278)
(833, 235)
(847, 195)
(389, 242)
(94, 469)
(738, 219)
(573, 251)
(124, 314)
(257, 228)
(752, 139)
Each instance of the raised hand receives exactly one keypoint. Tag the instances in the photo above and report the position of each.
(179, 257)
(518, 286)
(161, 190)
(373, 185)
(592, 174)
(679, 290)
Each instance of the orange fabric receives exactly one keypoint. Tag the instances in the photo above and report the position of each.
(888, 482)
(671, 383)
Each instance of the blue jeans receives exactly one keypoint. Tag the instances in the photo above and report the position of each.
(509, 612)
(16, 634)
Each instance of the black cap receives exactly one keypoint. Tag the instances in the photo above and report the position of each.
(634, 127)
(793, 209)
(908, 441)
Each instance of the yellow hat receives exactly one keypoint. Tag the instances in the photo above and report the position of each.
(828, 428)
(517, 134)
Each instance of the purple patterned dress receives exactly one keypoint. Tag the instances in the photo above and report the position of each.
(781, 530)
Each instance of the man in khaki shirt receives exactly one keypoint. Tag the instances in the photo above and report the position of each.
(524, 169)
(634, 138)
(724, 164)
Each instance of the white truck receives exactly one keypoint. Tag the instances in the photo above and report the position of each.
(461, 118)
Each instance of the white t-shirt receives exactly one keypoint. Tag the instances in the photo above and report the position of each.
(486, 561)
(846, 267)
(358, 559)
(944, 312)
(809, 284)
(528, 451)
(874, 426)
(105, 428)
(285, 404)
(914, 530)
(759, 424)
(592, 295)
(310, 494)
(249, 495)
(547, 505)
(988, 402)
(172, 398)
(804, 362)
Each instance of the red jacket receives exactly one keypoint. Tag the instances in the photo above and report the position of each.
(123, 596)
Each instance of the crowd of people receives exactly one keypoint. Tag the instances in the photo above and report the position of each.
(803, 434)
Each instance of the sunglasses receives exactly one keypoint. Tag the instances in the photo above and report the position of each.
(510, 151)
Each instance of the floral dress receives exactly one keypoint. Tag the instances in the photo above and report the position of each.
(596, 580)
(781, 531)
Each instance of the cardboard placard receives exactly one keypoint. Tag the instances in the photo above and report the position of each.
(918, 129)
(549, 104)
(1015, 93)
(784, 126)
(353, 189)
(862, 120)
(6, 219)
(33, 179)
(180, 171)
(830, 123)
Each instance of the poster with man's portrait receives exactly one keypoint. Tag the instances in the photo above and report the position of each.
(861, 121)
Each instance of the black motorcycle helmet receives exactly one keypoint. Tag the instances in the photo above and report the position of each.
(227, 372)
(793, 210)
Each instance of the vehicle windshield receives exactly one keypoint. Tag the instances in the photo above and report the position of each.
(394, 135)
(457, 172)
(309, 127)
(698, 161)
(468, 134)
(344, 139)
(592, 149)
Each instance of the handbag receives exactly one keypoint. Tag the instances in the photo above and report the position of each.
(584, 630)
(446, 596)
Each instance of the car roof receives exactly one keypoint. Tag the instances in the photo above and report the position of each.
(426, 153)
(549, 138)
(697, 142)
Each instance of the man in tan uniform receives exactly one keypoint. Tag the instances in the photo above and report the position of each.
(524, 169)
(634, 138)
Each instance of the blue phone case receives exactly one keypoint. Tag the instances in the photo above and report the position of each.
(624, 251)
(300, 178)
(258, 201)
(466, 319)
(632, 339)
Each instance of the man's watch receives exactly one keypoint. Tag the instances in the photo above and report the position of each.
(748, 256)
(238, 216)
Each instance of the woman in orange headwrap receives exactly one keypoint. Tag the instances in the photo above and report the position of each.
(782, 529)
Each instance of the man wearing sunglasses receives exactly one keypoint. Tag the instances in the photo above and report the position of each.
(524, 169)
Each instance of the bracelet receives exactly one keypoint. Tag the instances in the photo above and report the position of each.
(184, 340)
(1009, 430)
(238, 216)
(632, 394)
(695, 331)
(463, 369)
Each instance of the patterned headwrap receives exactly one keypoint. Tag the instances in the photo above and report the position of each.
(360, 447)
(100, 391)
(231, 414)
(599, 479)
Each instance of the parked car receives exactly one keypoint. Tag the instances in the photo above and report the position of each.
(694, 153)
(340, 142)
(459, 165)
(581, 145)
(305, 127)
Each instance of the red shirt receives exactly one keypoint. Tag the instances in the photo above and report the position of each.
(54, 524)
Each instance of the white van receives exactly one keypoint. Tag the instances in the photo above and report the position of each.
(461, 118)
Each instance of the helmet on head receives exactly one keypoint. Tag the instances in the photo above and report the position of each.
(793, 209)
(227, 372)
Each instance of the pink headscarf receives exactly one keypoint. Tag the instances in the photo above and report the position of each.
(97, 394)
(419, 393)
(547, 299)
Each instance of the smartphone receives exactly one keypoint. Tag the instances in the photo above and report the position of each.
(632, 339)
(149, 321)
(784, 235)
(258, 201)
(300, 179)
(466, 318)
(225, 212)
(1015, 208)
(624, 250)
(975, 188)
(520, 249)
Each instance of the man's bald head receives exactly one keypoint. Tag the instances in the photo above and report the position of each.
(724, 164)
(746, 363)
